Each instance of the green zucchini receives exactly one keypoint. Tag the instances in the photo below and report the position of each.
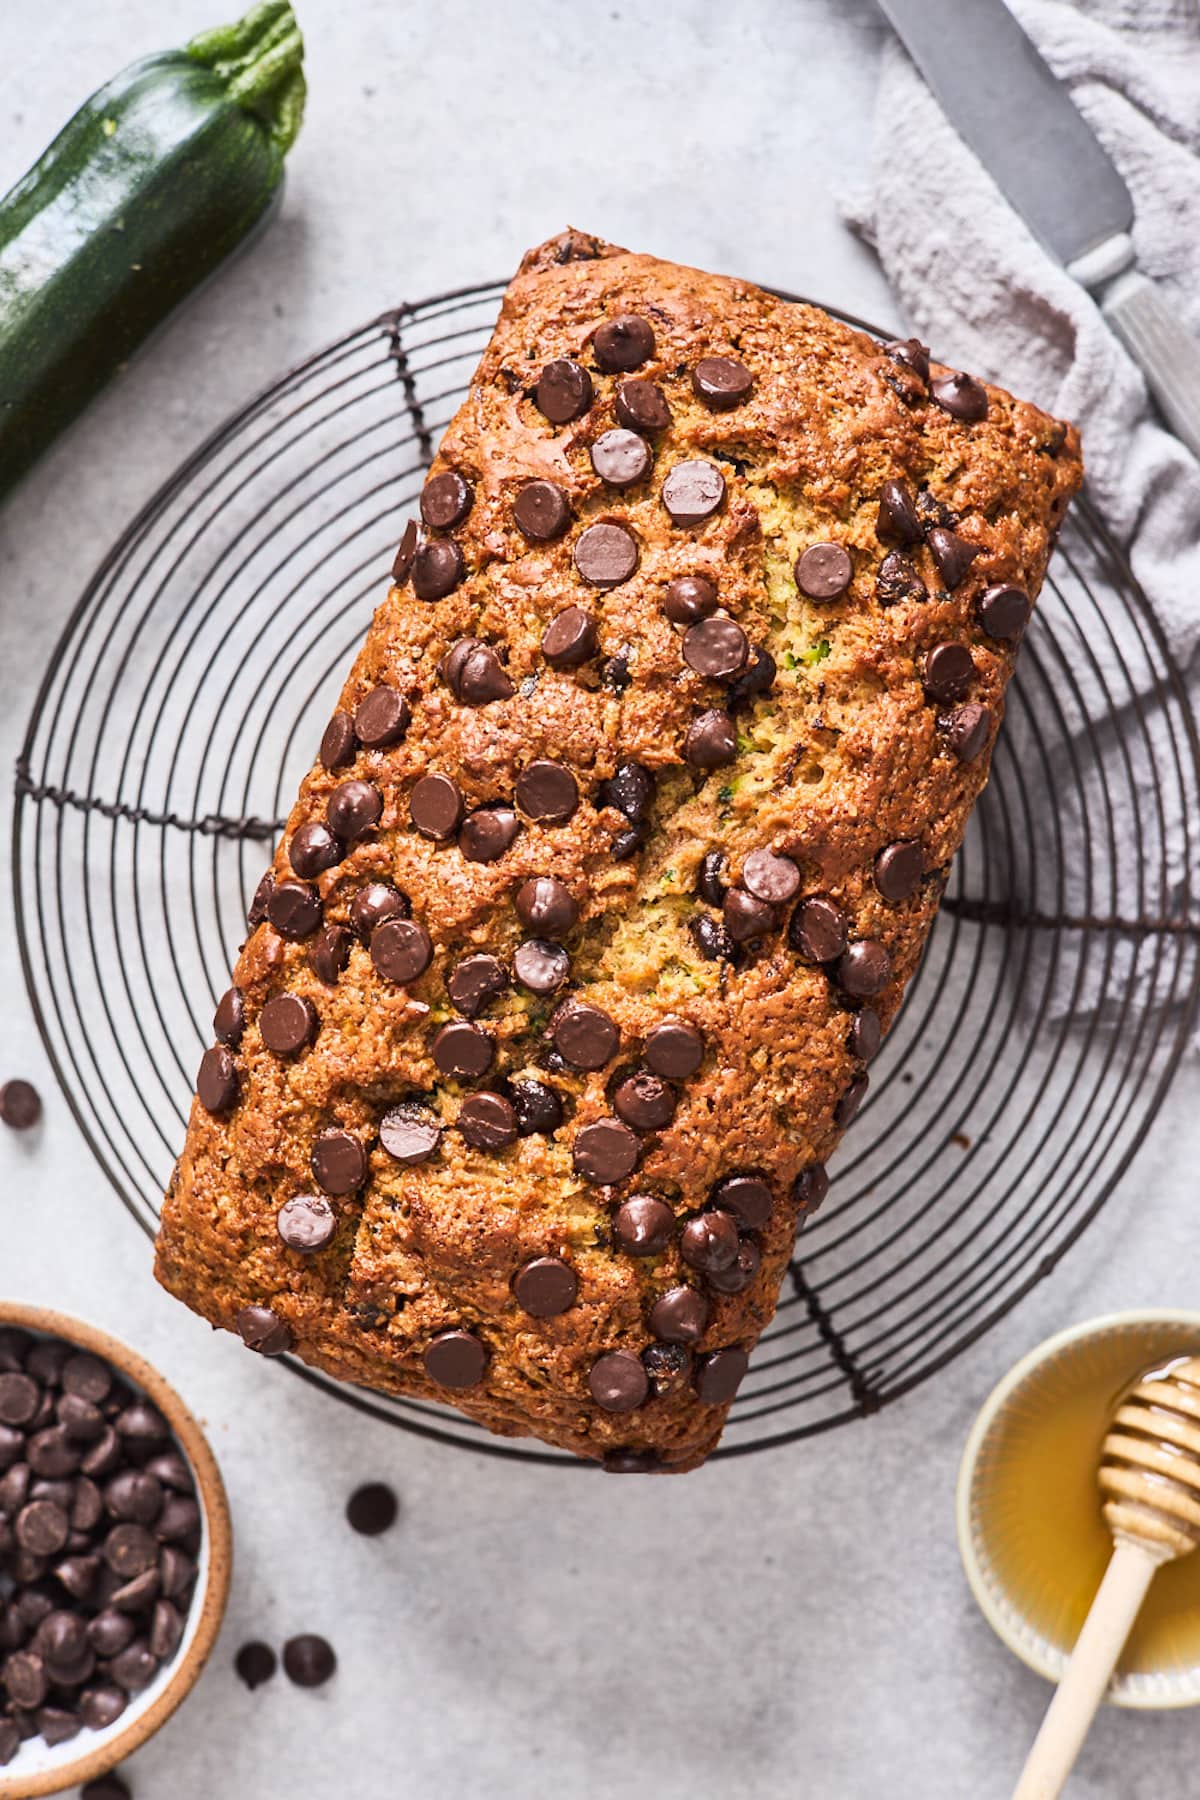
(147, 189)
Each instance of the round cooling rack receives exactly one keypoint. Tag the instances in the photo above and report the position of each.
(185, 700)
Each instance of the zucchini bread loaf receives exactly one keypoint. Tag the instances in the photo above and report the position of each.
(619, 850)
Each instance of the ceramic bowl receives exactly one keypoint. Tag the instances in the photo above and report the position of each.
(39, 1768)
(1045, 1381)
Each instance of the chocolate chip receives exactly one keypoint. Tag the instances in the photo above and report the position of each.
(742, 1271)
(371, 1509)
(446, 499)
(20, 1105)
(545, 1287)
(216, 1082)
(170, 1469)
(952, 554)
(306, 1223)
(715, 648)
(329, 952)
(968, 729)
(548, 792)
(19, 1396)
(674, 1050)
(747, 1195)
(617, 1381)
(775, 879)
(260, 1328)
(313, 849)
(865, 969)
(488, 1122)
(288, 1023)
(460, 1049)
(642, 406)
(257, 911)
(628, 843)
(487, 833)
(41, 1528)
(712, 940)
(644, 1225)
(58, 1724)
(110, 1631)
(538, 1108)
(756, 678)
(680, 1316)
(625, 1461)
(621, 458)
(604, 1152)
(129, 1549)
(10, 1740)
(898, 580)
(24, 1676)
(584, 1036)
(563, 392)
(401, 950)
(100, 1707)
(899, 868)
(474, 981)
(711, 740)
(437, 570)
(544, 904)
(898, 521)
(229, 1020)
(911, 354)
(693, 491)
(102, 1456)
(606, 555)
(339, 744)
(570, 638)
(374, 904)
(308, 1660)
(255, 1663)
(1004, 612)
(720, 1375)
(294, 910)
(623, 343)
(405, 553)
(722, 382)
(689, 598)
(141, 1424)
(541, 966)
(614, 673)
(961, 396)
(709, 1243)
(435, 807)
(382, 717)
(851, 1100)
(747, 918)
(410, 1133)
(77, 1575)
(354, 807)
(866, 1034)
(134, 1497)
(166, 1630)
(949, 672)
(644, 1101)
(476, 676)
(542, 511)
(709, 880)
(455, 1359)
(824, 571)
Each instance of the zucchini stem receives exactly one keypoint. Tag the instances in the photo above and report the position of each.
(260, 59)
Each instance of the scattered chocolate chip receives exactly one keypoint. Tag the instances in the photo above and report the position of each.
(308, 1660)
(329, 952)
(217, 1084)
(435, 807)
(674, 1050)
(570, 638)
(547, 792)
(746, 1194)
(544, 904)
(911, 354)
(20, 1105)
(541, 966)
(339, 744)
(693, 491)
(864, 969)
(474, 981)
(255, 1663)
(538, 1108)
(584, 1036)
(294, 910)
(720, 1375)
(851, 1100)
(644, 1101)
(824, 571)
(898, 521)
(288, 1023)
(614, 673)
(338, 1162)
(866, 1034)
(643, 1225)
(715, 648)
(563, 392)
(769, 877)
(257, 910)
(948, 673)
(487, 833)
(899, 868)
(382, 717)
(455, 1359)
(623, 344)
(756, 678)
(545, 1287)
(722, 382)
(488, 1122)
(898, 580)
(690, 598)
(711, 740)
(712, 940)
(446, 499)
(710, 884)
(353, 808)
(371, 1509)
(617, 1381)
(747, 918)
(410, 1133)
(952, 554)
(1004, 612)
(642, 406)
(630, 1462)
(961, 396)
(401, 950)
(680, 1316)
(709, 1243)
(621, 458)
(260, 1328)
(306, 1223)
(968, 729)
(463, 1050)
(604, 1152)
(405, 553)
(628, 843)
(606, 555)
(741, 1272)
(374, 904)
(229, 1020)
(542, 511)
(313, 849)
(437, 570)
(667, 1366)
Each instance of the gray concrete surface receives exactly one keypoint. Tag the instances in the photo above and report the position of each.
(792, 1625)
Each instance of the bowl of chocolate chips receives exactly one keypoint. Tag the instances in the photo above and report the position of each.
(115, 1551)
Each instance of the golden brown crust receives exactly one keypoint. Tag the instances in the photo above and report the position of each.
(843, 756)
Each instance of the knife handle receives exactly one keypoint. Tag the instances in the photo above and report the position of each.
(1153, 333)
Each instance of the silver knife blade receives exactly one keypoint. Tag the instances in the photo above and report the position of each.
(1018, 118)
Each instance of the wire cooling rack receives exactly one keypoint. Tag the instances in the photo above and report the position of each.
(187, 695)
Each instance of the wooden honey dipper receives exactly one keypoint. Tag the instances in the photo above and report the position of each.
(1150, 1478)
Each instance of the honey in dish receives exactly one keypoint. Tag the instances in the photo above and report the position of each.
(1048, 1540)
